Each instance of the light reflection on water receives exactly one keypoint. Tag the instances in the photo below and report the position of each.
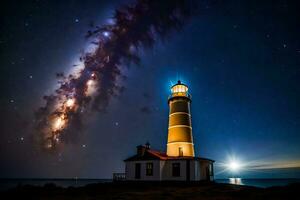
(236, 181)
(262, 183)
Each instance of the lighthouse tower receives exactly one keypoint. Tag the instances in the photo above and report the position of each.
(179, 163)
(180, 138)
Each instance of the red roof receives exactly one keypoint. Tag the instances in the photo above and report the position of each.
(151, 154)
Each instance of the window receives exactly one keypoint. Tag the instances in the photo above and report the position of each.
(149, 169)
(176, 169)
(137, 170)
(180, 151)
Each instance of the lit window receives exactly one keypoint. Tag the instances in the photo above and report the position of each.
(149, 169)
(179, 89)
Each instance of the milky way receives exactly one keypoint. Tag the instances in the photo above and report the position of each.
(117, 45)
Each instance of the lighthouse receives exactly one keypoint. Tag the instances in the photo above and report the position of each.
(180, 138)
(179, 162)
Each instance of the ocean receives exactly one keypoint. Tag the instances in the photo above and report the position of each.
(11, 183)
(262, 183)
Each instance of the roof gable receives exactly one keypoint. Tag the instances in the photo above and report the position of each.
(148, 155)
(151, 154)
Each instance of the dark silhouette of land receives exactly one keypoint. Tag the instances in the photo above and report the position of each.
(153, 190)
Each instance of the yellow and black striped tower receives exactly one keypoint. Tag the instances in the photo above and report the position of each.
(180, 138)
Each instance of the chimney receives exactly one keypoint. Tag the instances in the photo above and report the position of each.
(141, 150)
(147, 145)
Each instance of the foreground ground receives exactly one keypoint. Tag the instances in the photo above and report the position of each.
(155, 191)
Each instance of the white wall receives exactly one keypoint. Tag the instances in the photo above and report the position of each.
(195, 170)
(162, 170)
(203, 166)
(167, 170)
(130, 170)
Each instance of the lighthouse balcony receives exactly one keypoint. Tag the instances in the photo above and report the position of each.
(119, 176)
(180, 94)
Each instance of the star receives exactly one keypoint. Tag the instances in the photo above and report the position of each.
(76, 20)
(106, 34)
(83, 146)
(117, 123)
(11, 101)
(30, 76)
(284, 45)
(22, 138)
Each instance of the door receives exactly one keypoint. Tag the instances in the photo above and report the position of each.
(137, 170)
(207, 173)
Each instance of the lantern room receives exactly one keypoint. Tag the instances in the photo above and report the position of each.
(179, 89)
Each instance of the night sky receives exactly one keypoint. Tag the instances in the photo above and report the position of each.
(240, 59)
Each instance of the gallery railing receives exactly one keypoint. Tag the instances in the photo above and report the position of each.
(119, 177)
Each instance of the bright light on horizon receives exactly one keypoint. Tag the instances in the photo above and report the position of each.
(234, 166)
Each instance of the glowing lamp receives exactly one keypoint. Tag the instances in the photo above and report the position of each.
(179, 89)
